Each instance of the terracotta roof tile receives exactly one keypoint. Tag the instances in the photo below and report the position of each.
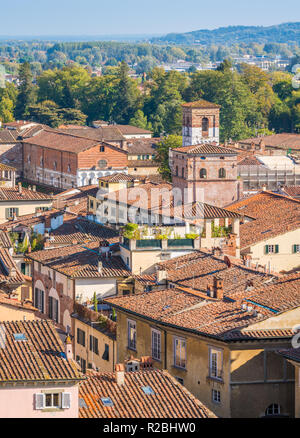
(274, 215)
(201, 104)
(12, 194)
(169, 398)
(39, 357)
(206, 149)
(81, 261)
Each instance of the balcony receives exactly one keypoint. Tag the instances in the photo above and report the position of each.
(160, 244)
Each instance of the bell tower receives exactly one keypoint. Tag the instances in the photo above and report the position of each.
(200, 123)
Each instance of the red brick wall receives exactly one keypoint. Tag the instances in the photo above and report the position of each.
(115, 158)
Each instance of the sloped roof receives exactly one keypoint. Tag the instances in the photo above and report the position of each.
(81, 261)
(274, 215)
(169, 399)
(201, 104)
(206, 149)
(38, 358)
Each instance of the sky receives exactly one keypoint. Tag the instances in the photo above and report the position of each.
(112, 17)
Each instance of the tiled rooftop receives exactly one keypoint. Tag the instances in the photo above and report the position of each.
(12, 194)
(39, 357)
(223, 319)
(274, 215)
(201, 104)
(206, 149)
(9, 273)
(284, 140)
(169, 398)
(81, 261)
(80, 231)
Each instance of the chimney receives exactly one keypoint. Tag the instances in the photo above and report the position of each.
(20, 187)
(146, 362)
(264, 188)
(120, 374)
(68, 348)
(100, 267)
(216, 290)
(34, 188)
(161, 276)
(218, 287)
(12, 271)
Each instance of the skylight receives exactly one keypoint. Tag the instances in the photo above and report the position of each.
(20, 337)
(148, 390)
(107, 401)
(82, 403)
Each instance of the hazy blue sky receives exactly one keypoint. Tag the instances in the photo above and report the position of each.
(98, 17)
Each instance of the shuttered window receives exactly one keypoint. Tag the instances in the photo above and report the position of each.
(39, 401)
(296, 249)
(271, 249)
(80, 337)
(66, 400)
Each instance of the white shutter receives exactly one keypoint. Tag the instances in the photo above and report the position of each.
(39, 401)
(66, 400)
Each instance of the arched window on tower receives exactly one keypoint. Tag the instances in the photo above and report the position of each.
(205, 126)
(203, 174)
(272, 410)
(222, 173)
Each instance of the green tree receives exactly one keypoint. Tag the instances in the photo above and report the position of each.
(95, 302)
(26, 96)
(140, 120)
(162, 154)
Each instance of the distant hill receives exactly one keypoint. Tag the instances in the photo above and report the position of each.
(227, 36)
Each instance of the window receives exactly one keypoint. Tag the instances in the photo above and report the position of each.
(11, 212)
(39, 299)
(180, 380)
(69, 168)
(105, 355)
(131, 333)
(272, 249)
(55, 165)
(102, 164)
(176, 172)
(296, 249)
(94, 344)
(273, 409)
(54, 400)
(205, 125)
(216, 396)
(215, 363)
(179, 352)
(203, 173)
(29, 159)
(222, 173)
(182, 172)
(53, 309)
(156, 344)
(81, 337)
(102, 148)
(82, 363)
(41, 162)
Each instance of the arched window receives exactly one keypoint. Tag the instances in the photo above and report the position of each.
(203, 173)
(273, 409)
(222, 173)
(205, 126)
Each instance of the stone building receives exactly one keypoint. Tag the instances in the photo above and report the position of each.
(200, 123)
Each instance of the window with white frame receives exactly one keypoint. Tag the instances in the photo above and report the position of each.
(273, 409)
(179, 352)
(296, 249)
(156, 344)
(272, 249)
(216, 396)
(55, 400)
(215, 363)
(131, 331)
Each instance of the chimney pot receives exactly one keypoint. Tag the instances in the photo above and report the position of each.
(100, 266)
(20, 187)
(120, 374)
(68, 348)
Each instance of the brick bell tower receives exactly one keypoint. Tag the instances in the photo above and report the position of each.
(200, 123)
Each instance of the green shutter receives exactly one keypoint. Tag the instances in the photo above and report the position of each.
(294, 249)
(276, 249)
(267, 249)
